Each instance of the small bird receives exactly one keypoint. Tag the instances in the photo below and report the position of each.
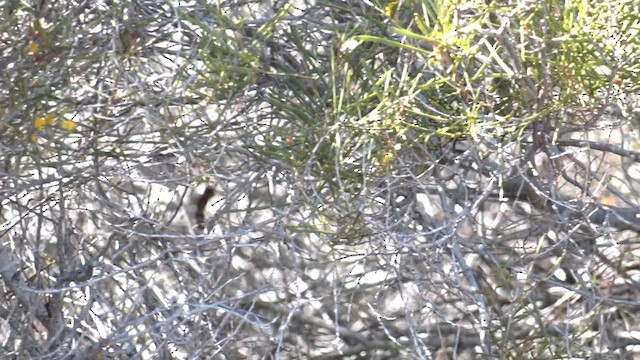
(83, 273)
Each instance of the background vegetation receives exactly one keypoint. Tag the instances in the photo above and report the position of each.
(418, 179)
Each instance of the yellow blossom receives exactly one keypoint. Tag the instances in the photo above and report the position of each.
(33, 47)
(387, 158)
(68, 125)
(42, 122)
(388, 10)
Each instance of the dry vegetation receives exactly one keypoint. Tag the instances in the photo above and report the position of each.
(418, 179)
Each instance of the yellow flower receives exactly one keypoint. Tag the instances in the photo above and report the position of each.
(68, 125)
(41, 122)
(388, 10)
(387, 158)
(33, 47)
